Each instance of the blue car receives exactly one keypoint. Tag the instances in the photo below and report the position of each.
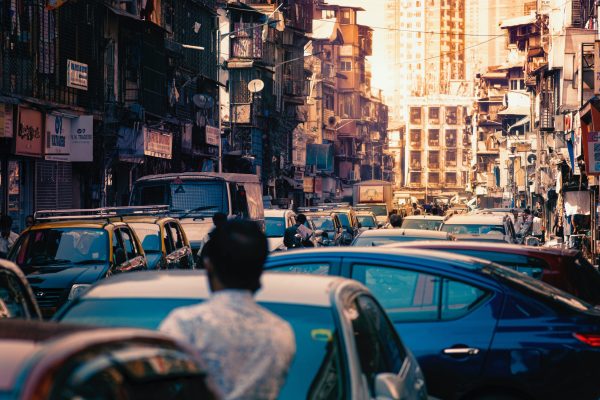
(478, 330)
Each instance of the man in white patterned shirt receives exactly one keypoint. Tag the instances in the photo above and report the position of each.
(248, 350)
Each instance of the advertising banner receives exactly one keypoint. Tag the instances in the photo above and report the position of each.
(213, 135)
(158, 143)
(82, 139)
(6, 121)
(370, 194)
(591, 146)
(29, 140)
(58, 137)
(77, 75)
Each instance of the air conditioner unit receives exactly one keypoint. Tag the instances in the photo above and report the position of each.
(332, 122)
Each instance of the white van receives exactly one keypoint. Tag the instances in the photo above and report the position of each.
(194, 197)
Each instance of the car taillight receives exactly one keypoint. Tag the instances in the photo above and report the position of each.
(593, 339)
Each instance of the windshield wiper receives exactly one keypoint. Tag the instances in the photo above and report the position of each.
(49, 262)
(194, 210)
(82, 262)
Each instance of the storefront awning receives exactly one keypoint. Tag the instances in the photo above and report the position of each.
(518, 21)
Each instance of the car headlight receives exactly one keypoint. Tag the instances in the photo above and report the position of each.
(78, 289)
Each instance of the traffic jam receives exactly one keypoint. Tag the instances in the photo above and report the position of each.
(377, 297)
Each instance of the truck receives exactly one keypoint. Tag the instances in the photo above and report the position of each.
(376, 196)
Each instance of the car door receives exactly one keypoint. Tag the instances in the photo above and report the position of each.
(447, 322)
(169, 246)
(380, 350)
(182, 253)
(134, 256)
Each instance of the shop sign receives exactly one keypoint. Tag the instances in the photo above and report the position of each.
(213, 135)
(592, 153)
(309, 184)
(186, 138)
(58, 137)
(6, 121)
(318, 184)
(77, 75)
(158, 143)
(29, 140)
(82, 139)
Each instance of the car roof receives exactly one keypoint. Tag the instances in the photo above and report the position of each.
(277, 212)
(432, 257)
(147, 219)
(498, 247)
(229, 177)
(311, 290)
(426, 217)
(476, 219)
(364, 213)
(75, 223)
(396, 232)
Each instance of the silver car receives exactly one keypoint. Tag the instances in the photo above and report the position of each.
(346, 346)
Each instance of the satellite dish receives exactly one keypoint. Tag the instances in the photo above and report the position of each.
(256, 85)
(202, 101)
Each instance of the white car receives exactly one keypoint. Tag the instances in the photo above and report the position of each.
(492, 226)
(276, 222)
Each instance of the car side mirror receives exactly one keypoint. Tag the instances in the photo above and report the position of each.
(387, 386)
(120, 256)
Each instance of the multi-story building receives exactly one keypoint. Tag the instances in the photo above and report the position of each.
(438, 146)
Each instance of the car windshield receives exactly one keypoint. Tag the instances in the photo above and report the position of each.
(540, 288)
(274, 226)
(379, 210)
(58, 246)
(426, 224)
(473, 229)
(149, 235)
(369, 241)
(344, 220)
(198, 197)
(366, 221)
(323, 223)
(314, 330)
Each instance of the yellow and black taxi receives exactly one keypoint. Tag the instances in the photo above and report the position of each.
(164, 241)
(63, 254)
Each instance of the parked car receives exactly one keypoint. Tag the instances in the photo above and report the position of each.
(164, 242)
(16, 298)
(346, 347)
(43, 360)
(480, 225)
(62, 257)
(565, 269)
(423, 222)
(328, 228)
(276, 222)
(478, 330)
(385, 236)
(194, 197)
(366, 220)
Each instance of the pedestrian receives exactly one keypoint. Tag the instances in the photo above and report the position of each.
(395, 221)
(526, 224)
(289, 236)
(537, 227)
(29, 221)
(219, 219)
(7, 236)
(248, 350)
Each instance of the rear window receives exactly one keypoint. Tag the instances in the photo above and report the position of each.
(531, 266)
(369, 241)
(421, 224)
(473, 229)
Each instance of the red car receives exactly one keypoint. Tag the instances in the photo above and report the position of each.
(562, 268)
(43, 360)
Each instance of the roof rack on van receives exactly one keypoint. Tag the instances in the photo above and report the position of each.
(315, 209)
(95, 213)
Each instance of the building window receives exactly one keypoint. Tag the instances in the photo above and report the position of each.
(327, 14)
(450, 137)
(345, 17)
(465, 158)
(415, 115)
(434, 115)
(517, 84)
(434, 137)
(434, 178)
(415, 177)
(451, 178)
(465, 177)
(415, 137)
(451, 115)
(466, 139)
(328, 101)
(450, 158)
(415, 160)
(434, 159)
(345, 65)
(346, 106)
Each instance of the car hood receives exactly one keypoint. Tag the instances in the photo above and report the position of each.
(66, 275)
(276, 243)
